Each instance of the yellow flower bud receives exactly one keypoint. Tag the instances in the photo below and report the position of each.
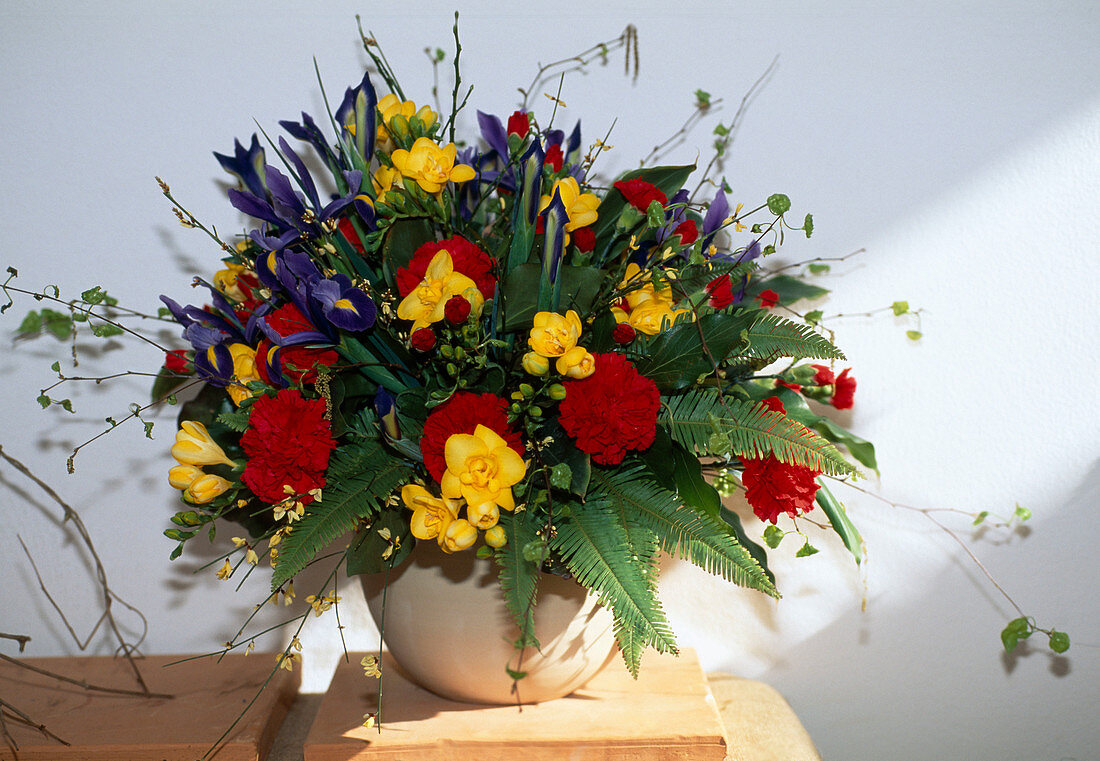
(483, 516)
(495, 537)
(195, 446)
(460, 535)
(181, 476)
(205, 489)
(552, 334)
(535, 364)
(576, 363)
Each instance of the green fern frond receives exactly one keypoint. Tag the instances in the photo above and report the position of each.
(359, 478)
(772, 336)
(682, 531)
(750, 429)
(519, 577)
(596, 549)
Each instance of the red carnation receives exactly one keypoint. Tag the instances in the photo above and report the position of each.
(720, 291)
(845, 391)
(468, 260)
(422, 339)
(612, 410)
(768, 298)
(554, 158)
(518, 123)
(623, 333)
(824, 376)
(297, 363)
(176, 361)
(584, 239)
(775, 404)
(773, 487)
(347, 229)
(287, 443)
(640, 194)
(456, 310)
(462, 413)
(687, 231)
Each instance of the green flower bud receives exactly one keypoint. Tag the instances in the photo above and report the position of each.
(557, 392)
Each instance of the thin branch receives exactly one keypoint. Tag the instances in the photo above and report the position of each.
(80, 682)
(22, 639)
(29, 722)
(109, 596)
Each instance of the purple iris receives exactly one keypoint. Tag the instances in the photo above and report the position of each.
(246, 165)
(343, 305)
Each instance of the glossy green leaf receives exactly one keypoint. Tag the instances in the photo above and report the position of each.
(778, 204)
(842, 525)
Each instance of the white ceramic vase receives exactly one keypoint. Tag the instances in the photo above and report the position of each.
(447, 627)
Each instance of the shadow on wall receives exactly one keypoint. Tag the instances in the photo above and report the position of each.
(894, 682)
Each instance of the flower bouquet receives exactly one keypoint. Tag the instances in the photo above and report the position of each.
(494, 350)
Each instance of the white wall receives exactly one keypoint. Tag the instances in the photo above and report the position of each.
(959, 145)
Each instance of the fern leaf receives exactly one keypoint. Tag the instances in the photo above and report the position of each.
(519, 576)
(751, 429)
(596, 549)
(359, 479)
(772, 336)
(693, 535)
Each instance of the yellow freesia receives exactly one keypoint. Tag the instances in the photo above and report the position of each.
(652, 316)
(226, 281)
(460, 535)
(580, 207)
(553, 335)
(181, 476)
(244, 371)
(576, 363)
(425, 304)
(496, 536)
(431, 166)
(385, 178)
(535, 364)
(195, 446)
(431, 515)
(481, 468)
(390, 106)
(649, 307)
(206, 488)
(483, 516)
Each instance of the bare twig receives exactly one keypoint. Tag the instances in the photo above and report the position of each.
(16, 713)
(80, 682)
(127, 649)
(628, 39)
(22, 639)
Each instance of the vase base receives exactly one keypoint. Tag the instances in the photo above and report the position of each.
(668, 713)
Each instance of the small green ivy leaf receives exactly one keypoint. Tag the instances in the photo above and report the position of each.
(814, 317)
(1009, 639)
(980, 517)
(778, 204)
(913, 335)
(900, 308)
(806, 550)
(515, 675)
(561, 476)
(148, 428)
(56, 367)
(44, 401)
(702, 98)
(721, 130)
(484, 552)
(1022, 513)
(1059, 641)
(773, 535)
(808, 225)
(66, 405)
(106, 330)
(94, 295)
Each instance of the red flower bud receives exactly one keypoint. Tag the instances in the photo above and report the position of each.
(554, 158)
(775, 405)
(623, 333)
(175, 361)
(584, 239)
(780, 383)
(687, 231)
(824, 376)
(845, 391)
(768, 298)
(456, 310)
(423, 339)
(518, 123)
(720, 291)
(640, 194)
